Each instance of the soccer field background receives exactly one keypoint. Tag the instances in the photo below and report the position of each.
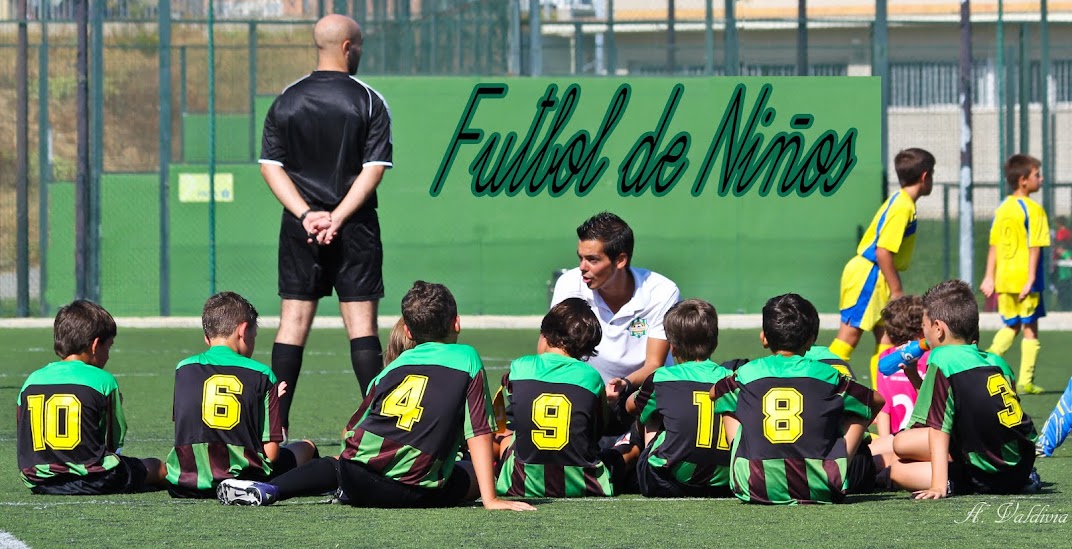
(143, 361)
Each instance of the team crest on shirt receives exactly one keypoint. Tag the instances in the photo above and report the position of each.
(638, 327)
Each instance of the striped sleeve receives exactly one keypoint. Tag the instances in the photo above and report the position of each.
(856, 397)
(934, 405)
(724, 393)
(273, 425)
(117, 429)
(644, 401)
(479, 414)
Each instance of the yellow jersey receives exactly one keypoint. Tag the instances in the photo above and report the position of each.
(1019, 225)
(893, 229)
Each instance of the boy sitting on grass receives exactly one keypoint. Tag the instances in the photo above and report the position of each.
(70, 415)
(795, 424)
(970, 434)
(226, 408)
(402, 443)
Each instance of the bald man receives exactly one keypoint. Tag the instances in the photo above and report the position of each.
(326, 145)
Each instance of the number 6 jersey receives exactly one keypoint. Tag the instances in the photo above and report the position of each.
(70, 422)
(790, 447)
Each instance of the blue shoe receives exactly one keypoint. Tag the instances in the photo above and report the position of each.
(1034, 482)
(246, 492)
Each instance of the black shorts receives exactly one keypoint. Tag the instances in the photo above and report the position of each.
(352, 264)
(968, 479)
(862, 471)
(659, 483)
(364, 488)
(126, 478)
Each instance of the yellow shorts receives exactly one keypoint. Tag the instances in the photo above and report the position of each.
(1015, 312)
(864, 293)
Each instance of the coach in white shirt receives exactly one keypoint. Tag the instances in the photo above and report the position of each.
(630, 302)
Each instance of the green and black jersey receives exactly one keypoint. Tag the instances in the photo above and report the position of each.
(225, 408)
(826, 356)
(690, 444)
(790, 447)
(417, 413)
(556, 407)
(70, 422)
(968, 393)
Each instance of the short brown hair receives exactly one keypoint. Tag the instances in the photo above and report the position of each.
(692, 330)
(910, 165)
(224, 312)
(612, 231)
(953, 302)
(790, 323)
(904, 319)
(429, 311)
(78, 324)
(1017, 167)
(572, 326)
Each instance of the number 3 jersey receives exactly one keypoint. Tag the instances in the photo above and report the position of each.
(790, 447)
(557, 411)
(417, 413)
(70, 422)
(968, 394)
(225, 409)
(690, 444)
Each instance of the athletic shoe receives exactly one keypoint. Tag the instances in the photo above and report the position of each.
(1039, 452)
(1034, 482)
(1029, 389)
(246, 492)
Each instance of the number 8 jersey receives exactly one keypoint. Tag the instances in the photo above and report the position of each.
(417, 413)
(790, 447)
(70, 422)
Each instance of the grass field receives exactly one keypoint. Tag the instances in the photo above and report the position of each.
(143, 361)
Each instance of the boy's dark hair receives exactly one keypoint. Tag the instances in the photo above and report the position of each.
(224, 312)
(910, 164)
(953, 302)
(612, 231)
(429, 311)
(571, 325)
(78, 324)
(904, 319)
(692, 329)
(790, 323)
(1017, 167)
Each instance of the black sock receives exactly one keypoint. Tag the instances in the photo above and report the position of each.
(319, 476)
(286, 363)
(366, 356)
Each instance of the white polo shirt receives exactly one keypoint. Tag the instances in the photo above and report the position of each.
(625, 333)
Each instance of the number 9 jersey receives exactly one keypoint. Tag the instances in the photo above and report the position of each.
(790, 447)
(70, 423)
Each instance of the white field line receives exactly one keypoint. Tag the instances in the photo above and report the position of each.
(1061, 322)
(8, 541)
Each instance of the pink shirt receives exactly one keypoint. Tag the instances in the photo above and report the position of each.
(899, 393)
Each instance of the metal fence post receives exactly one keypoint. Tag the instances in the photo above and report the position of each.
(253, 90)
(164, 189)
(732, 61)
(535, 39)
(44, 168)
(22, 175)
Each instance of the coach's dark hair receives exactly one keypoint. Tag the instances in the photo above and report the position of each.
(904, 319)
(572, 326)
(910, 165)
(78, 324)
(1017, 167)
(692, 330)
(612, 231)
(224, 312)
(953, 302)
(790, 323)
(429, 311)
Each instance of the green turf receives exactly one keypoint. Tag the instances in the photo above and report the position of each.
(143, 361)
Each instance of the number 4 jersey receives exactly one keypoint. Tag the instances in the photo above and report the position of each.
(790, 447)
(70, 422)
(417, 413)
(968, 394)
(225, 409)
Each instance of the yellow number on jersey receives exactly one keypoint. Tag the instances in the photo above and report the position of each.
(705, 421)
(220, 407)
(1012, 415)
(404, 402)
(56, 423)
(551, 413)
(782, 423)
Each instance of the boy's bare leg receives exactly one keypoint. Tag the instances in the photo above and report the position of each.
(912, 445)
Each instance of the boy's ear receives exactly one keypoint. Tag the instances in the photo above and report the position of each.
(763, 339)
(409, 334)
(621, 261)
(457, 325)
(207, 341)
(541, 345)
(93, 346)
